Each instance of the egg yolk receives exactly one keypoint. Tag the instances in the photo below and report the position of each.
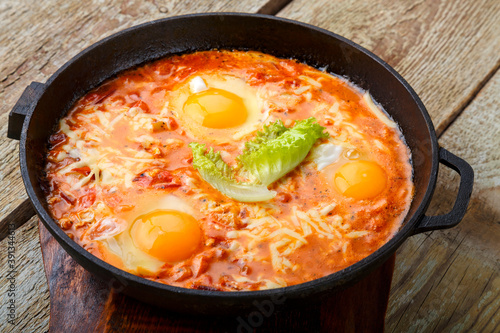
(168, 235)
(360, 179)
(216, 108)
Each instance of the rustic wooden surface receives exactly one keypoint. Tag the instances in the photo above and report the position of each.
(450, 280)
(360, 308)
(31, 294)
(448, 50)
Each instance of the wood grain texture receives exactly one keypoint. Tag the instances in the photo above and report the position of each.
(31, 294)
(444, 49)
(449, 281)
(444, 281)
(360, 308)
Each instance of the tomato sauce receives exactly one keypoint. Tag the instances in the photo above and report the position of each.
(122, 152)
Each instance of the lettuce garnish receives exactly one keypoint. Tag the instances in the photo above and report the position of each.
(216, 172)
(273, 153)
(276, 157)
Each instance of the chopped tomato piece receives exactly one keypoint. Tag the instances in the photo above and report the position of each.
(83, 170)
(141, 105)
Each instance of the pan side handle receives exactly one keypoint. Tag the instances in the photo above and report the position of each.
(24, 105)
(459, 209)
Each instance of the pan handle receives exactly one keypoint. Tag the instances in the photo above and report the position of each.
(457, 213)
(24, 105)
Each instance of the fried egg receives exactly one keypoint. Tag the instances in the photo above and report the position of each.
(353, 175)
(360, 179)
(159, 232)
(217, 107)
(166, 234)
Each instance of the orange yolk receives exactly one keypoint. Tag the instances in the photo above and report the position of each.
(216, 108)
(168, 235)
(360, 179)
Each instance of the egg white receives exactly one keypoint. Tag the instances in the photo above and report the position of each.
(326, 154)
(123, 245)
(327, 158)
(238, 86)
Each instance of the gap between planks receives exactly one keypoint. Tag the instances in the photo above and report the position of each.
(19, 216)
(273, 7)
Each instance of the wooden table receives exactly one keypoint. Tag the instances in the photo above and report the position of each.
(448, 50)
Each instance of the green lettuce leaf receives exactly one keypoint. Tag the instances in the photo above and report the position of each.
(276, 157)
(216, 172)
(269, 132)
(273, 153)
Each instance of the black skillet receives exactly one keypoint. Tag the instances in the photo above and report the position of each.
(36, 113)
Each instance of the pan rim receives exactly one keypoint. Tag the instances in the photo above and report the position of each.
(296, 291)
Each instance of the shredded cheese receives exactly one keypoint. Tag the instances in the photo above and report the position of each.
(310, 81)
(377, 112)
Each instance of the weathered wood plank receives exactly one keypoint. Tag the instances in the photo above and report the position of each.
(31, 295)
(450, 280)
(444, 49)
(50, 32)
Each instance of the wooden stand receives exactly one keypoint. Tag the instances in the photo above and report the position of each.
(79, 302)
